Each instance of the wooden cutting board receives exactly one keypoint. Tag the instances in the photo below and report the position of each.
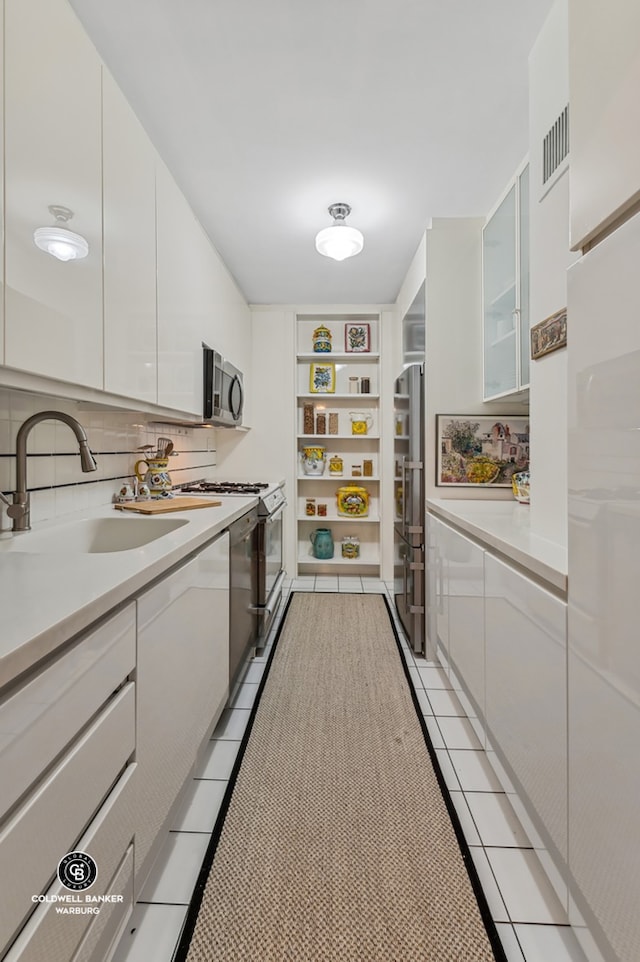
(165, 505)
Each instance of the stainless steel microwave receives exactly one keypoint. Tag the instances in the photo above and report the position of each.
(223, 390)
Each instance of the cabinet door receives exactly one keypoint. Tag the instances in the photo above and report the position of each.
(52, 157)
(130, 363)
(182, 683)
(465, 577)
(526, 680)
(523, 315)
(499, 299)
(2, 198)
(604, 78)
(438, 588)
(186, 303)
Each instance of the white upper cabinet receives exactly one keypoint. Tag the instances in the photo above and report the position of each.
(186, 299)
(130, 363)
(52, 157)
(1, 198)
(604, 80)
(505, 276)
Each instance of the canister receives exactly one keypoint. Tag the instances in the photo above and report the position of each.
(336, 465)
(353, 501)
(351, 546)
(310, 507)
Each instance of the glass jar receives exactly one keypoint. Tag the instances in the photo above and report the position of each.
(310, 507)
(351, 546)
(336, 465)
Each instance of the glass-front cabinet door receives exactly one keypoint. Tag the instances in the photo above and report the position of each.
(499, 287)
(505, 284)
(523, 275)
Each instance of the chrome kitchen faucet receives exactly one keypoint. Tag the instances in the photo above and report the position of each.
(20, 510)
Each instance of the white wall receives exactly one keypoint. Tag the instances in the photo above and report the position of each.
(54, 477)
(454, 338)
(550, 258)
(267, 450)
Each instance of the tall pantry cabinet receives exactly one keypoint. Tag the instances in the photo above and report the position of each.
(604, 478)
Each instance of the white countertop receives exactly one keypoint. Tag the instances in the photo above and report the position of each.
(505, 526)
(46, 599)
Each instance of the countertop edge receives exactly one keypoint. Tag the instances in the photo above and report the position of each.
(529, 554)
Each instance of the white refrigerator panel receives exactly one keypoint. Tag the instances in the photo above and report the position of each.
(604, 567)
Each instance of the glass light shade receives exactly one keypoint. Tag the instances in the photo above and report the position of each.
(339, 242)
(61, 243)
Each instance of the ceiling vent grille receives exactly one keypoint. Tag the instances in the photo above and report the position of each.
(555, 145)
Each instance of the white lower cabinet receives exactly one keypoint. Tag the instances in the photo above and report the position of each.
(182, 685)
(503, 639)
(465, 581)
(46, 826)
(526, 691)
(457, 612)
(39, 719)
(62, 937)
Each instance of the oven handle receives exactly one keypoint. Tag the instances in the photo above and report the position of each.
(274, 597)
(276, 514)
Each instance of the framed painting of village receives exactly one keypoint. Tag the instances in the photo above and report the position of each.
(479, 451)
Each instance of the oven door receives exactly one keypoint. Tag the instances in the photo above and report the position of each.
(270, 570)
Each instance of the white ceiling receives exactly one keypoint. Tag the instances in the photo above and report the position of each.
(267, 111)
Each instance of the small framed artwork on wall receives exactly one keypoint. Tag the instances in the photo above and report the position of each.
(357, 338)
(549, 335)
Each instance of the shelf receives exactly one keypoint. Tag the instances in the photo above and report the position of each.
(337, 437)
(339, 356)
(369, 555)
(363, 479)
(504, 338)
(509, 289)
(340, 397)
(335, 518)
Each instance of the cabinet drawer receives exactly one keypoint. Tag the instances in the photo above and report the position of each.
(56, 814)
(108, 926)
(38, 720)
(52, 936)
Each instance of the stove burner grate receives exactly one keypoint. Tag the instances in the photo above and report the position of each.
(225, 487)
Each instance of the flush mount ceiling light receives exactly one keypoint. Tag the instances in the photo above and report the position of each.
(58, 240)
(339, 241)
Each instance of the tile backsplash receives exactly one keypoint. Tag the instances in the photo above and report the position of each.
(54, 476)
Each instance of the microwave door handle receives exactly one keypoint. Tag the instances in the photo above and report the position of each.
(236, 412)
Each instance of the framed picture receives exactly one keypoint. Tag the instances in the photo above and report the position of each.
(322, 379)
(549, 334)
(357, 339)
(475, 450)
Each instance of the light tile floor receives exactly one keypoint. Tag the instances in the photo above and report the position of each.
(529, 918)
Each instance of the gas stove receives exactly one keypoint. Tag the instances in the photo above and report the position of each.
(225, 487)
(271, 494)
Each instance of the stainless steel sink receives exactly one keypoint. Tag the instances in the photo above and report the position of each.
(93, 535)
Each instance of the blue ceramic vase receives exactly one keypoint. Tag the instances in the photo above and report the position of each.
(322, 543)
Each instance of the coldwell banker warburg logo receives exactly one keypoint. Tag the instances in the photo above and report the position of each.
(77, 872)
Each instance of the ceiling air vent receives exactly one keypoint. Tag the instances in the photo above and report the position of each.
(555, 146)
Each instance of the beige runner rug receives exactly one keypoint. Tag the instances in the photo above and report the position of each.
(337, 845)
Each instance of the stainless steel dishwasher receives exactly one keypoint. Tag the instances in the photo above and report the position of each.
(243, 621)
